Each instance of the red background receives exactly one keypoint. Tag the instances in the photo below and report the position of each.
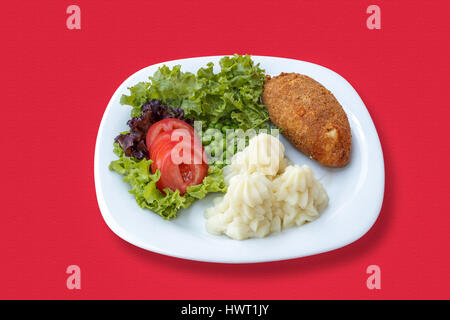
(57, 82)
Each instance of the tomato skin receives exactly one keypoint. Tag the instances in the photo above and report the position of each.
(179, 177)
(163, 151)
(179, 135)
(166, 125)
(167, 143)
(192, 146)
(162, 139)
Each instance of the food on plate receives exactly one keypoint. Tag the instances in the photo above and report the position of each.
(310, 117)
(169, 161)
(143, 186)
(228, 99)
(264, 154)
(166, 125)
(300, 197)
(260, 201)
(176, 151)
(133, 141)
(170, 186)
(246, 209)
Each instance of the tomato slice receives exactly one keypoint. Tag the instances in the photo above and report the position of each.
(179, 135)
(187, 150)
(177, 152)
(175, 175)
(161, 140)
(159, 156)
(180, 177)
(166, 125)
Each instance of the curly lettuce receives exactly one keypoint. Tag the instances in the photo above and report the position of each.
(233, 94)
(143, 185)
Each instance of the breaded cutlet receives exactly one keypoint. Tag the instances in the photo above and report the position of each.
(310, 117)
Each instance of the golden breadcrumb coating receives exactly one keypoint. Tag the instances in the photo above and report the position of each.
(310, 117)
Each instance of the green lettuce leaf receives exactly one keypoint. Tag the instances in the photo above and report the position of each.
(139, 95)
(143, 186)
(233, 94)
(171, 86)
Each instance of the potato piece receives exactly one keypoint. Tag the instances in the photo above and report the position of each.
(310, 116)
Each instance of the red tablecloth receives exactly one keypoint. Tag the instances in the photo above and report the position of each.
(57, 82)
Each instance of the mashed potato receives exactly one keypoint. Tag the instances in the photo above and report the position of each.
(266, 194)
(264, 154)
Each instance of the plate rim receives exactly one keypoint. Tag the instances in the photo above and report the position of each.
(128, 237)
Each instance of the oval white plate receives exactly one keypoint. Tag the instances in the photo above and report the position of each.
(356, 191)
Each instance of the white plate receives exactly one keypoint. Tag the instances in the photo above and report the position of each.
(355, 192)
